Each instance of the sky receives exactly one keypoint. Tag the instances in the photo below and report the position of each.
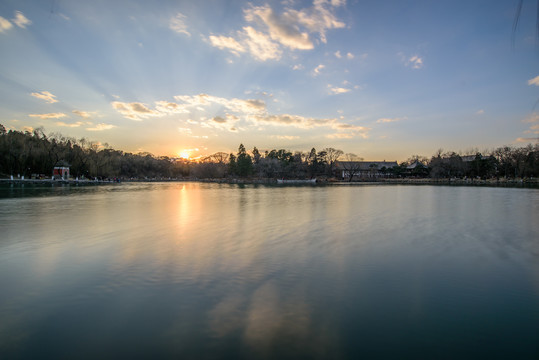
(381, 79)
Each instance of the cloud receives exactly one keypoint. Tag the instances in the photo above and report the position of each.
(388, 120)
(226, 42)
(338, 54)
(260, 46)
(350, 56)
(20, 20)
(45, 95)
(135, 110)
(101, 127)
(249, 106)
(534, 81)
(480, 112)
(219, 119)
(338, 90)
(269, 32)
(533, 118)
(27, 129)
(5, 24)
(77, 124)
(318, 69)
(285, 137)
(298, 67)
(415, 62)
(49, 115)
(527, 140)
(177, 24)
(319, 18)
(170, 107)
(82, 114)
(281, 28)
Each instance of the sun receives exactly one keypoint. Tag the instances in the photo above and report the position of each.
(184, 154)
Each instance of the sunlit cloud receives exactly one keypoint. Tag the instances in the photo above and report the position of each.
(27, 129)
(177, 24)
(170, 107)
(282, 28)
(533, 118)
(101, 127)
(350, 56)
(5, 24)
(534, 81)
(338, 54)
(260, 45)
(82, 114)
(338, 90)
(527, 139)
(45, 95)
(135, 110)
(20, 20)
(415, 62)
(318, 69)
(389, 120)
(285, 137)
(270, 32)
(249, 106)
(480, 112)
(227, 42)
(73, 125)
(49, 115)
(298, 67)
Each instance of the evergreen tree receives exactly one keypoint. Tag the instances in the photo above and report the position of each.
(244, 163)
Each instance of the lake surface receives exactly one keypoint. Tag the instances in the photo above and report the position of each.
(212, 271)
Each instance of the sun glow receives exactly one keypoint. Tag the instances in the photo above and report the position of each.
(184, 154)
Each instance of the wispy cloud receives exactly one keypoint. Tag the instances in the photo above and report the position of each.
(415, 61)
(389, 120)
(177, 24)
(5, 24)
(73, 125)
(227, 42)
(338, 90)
(49, 115)
(527, 139)
(318, 69)
(260, 45)
(338, 54)
(298, 67)
(269, 32)
(45, 95)
(20, 20)
(534, 81)
(82, 114)
(135, 110)
(285, 137)
(480, 112)
(101, 127)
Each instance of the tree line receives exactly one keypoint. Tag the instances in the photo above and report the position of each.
(27, 153)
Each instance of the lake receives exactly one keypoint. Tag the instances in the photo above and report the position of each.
(220, 271)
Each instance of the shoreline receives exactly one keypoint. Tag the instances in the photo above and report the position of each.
(529, 183)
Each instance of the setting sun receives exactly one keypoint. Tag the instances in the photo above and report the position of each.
(184, 154)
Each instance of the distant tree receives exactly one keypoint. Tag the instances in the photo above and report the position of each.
(351, 165)
(330, 157)
(244, 163)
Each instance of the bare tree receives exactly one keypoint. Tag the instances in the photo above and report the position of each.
(351, 165)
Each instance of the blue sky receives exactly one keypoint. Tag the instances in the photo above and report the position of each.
(381, 79)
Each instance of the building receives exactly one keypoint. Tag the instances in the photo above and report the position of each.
(363, 169)
(61, 171)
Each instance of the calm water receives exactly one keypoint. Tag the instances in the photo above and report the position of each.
(225, 271)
